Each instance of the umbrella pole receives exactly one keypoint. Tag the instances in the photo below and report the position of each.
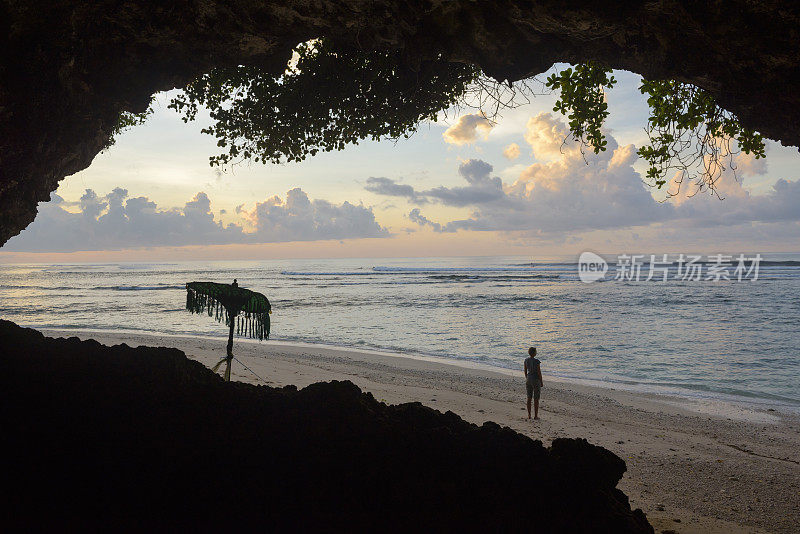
(230, 350)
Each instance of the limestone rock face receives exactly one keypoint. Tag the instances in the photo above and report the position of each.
(99, 435)
(68, 68)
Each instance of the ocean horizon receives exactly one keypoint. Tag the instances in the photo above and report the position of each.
(728, 340)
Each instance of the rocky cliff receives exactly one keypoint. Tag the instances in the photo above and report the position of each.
(68, 68)
(98, 435)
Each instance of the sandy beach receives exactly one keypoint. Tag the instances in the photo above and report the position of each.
(693, 466)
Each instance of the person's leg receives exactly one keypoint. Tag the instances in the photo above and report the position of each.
(535, 409)
(529, 389)
(536, 392)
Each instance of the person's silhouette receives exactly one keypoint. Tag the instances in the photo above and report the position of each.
(533, 381)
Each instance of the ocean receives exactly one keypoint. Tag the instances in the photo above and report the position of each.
(726, 339)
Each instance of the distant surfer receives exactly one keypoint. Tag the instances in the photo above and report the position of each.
(533, 381)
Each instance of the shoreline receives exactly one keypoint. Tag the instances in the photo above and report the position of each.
(727, 405)
(689, 470)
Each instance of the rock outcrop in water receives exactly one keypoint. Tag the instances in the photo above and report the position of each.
(68, 68)
(144, 436)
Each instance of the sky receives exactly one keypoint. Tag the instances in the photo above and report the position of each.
(460, 186)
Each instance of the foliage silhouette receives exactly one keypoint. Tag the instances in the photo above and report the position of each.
(330, 97)
(327, 99)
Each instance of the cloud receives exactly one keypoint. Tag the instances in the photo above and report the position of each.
(388, 187)
(91, 206)
(549, 137)
(781, 204)
(415, 216)
(116, 221)
(574, 192)
(511, 151)
(570, 194)
(481, 188)
(736, 205)
(727, 185)
(302, 219)
(467, 130)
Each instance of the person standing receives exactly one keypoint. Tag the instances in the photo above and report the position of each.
(533, 381)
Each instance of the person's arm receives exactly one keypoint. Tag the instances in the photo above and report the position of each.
(525, 368)
(539, 370)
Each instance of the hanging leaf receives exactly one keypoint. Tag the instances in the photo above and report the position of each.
(227, 303)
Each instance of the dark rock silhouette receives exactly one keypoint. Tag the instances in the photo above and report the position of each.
(144, 436)
(67, 69)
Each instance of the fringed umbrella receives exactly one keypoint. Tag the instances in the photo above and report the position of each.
(244, 311)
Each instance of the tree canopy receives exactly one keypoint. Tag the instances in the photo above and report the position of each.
(332, 96)
(691, 137)
(327, 99)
